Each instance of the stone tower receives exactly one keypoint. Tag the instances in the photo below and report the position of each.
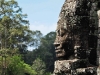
(77, 38)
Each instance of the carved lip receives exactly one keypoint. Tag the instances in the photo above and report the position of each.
(60, 52)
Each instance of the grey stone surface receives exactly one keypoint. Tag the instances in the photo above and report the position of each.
(77, 40)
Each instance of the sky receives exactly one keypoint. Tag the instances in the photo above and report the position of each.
(42, 14)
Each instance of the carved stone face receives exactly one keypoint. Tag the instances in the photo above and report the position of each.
(62, 43)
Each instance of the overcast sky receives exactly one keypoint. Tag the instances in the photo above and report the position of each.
(42, 14)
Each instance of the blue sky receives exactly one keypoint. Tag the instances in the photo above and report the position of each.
(42, 14)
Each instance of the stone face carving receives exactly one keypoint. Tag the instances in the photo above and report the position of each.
(62, 43)
(76, 43)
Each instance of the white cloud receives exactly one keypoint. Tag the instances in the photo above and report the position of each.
(44, 28)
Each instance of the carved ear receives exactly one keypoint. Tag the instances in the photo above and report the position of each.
(62, 31)
(58, 32)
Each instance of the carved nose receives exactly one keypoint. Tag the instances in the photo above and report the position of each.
(56, 43)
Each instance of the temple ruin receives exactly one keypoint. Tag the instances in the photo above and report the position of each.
(77, 42)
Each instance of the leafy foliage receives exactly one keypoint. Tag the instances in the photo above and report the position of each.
(15, 36)
(14, 31)
(28, 70)
(18, 67)
(45, 51)
(39, 66)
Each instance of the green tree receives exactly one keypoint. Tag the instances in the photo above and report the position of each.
(18, 67)
(45, 51)
(15, 66)
(30, 56)
(15, 35)
(14, 27)
(39, 66)
(28, 70)
(36, 38)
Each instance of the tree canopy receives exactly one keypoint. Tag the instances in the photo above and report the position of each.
(16, 37)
